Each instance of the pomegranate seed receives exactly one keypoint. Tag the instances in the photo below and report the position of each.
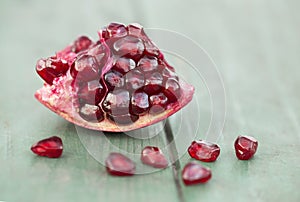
(51, 147)
(85, 68)
(158, 103)
(114, 80)
(81, 44)
(114, 30)
(204, 151)
(139, 103)
(167, 73)
(120, 165)
(153, 83)
(51, 68)
(154, 157)
(172, 90)
(194, 173)
(135, 29)
(129, 46)
(91, 93)
(135, 80)
(245, 147)
(148, 64)
(124, 65)
(91, 113)
(117, 102)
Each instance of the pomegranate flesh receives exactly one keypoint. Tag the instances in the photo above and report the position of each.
(119, 83)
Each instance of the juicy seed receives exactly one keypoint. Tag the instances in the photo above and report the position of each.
(167, 73)
(124, 65)
(91, 113)
(135, 80)
(81, 44)
(245, 147)
(117, 102)
(153, 83)
(172, 90)
(114, 30)
(51, 68)
(194, 173)
(90, 93)
(135, 29)
(158, 103)
(204, 151)
(148, 64)
(154, 157)
(85, 68)
(114, 80)
(139, 103)
(119, 165)
(51, 147)
(129, 46)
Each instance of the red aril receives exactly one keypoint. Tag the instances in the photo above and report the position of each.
(204, 151)
(51, 147)
(154, 157)
(120, 165)
(119, 83)
(194, 173)
(245, 147)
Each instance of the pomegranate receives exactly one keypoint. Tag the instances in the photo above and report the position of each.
(119, 83)
(51, 147)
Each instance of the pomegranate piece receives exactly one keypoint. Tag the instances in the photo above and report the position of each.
(119, 165)
(194, 173)
(119, 83)
(154, 157)
(245, 147)
(51, 147)
(204, 151)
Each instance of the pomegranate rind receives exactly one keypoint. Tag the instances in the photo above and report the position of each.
(60, 97)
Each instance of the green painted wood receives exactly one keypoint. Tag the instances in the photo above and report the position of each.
(256, 47)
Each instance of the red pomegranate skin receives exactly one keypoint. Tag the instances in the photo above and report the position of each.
(120, 82)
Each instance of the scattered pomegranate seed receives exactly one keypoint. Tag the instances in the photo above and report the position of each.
(204, 151)
(154, 157)
(120, 165)
(51, 147)
(194, 173)
(245, 147)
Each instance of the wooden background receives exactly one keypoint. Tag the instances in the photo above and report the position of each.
(256, 46)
